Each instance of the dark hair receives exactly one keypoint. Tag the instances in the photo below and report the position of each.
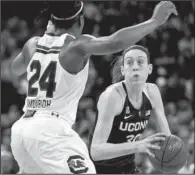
(116, 70)
(63, 14)
(118, 62)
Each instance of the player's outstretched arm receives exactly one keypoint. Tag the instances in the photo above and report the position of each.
(20, 63)
(126, 37)
(158, 109)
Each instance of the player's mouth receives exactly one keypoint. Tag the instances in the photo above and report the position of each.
(136, 76)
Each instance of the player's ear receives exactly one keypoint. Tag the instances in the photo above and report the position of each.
(122, 70)
(82, 21)
(150, 67)
(49, 24)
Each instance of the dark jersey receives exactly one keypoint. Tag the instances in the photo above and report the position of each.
(127, 127)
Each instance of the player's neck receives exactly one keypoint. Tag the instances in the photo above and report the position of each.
(59, 32)
(134, 91)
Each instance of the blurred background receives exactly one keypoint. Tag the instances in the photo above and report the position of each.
(172, 53)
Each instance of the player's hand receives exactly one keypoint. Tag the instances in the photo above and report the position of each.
(148, 143)
(162, 11)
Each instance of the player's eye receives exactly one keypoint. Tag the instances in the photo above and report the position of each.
(130, 62)
(140, 62)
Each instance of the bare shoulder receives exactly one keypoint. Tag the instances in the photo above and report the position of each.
(113, 91)
(153, 93)
(69, 39)
(84, 39)
(32, 42)
(30, 45)
(151, 88)
(111, 98)
(73, 44)
(30, 48)
(81, 38)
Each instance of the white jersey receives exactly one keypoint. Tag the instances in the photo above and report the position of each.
(50, 86)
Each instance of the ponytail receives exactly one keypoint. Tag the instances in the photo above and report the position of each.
(116, 70)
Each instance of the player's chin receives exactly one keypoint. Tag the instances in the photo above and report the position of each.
(137, 81)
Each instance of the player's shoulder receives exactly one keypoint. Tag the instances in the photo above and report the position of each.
(151, 88)
(32, 42)
(113, 92)
(70, 38)
(34, 39)
(85, 38)
(152, 92)
(111, 100)
(30, 47)
(77, 43)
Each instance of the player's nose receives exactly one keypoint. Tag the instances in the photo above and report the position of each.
(135, 67)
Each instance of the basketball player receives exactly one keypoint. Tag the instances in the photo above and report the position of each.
(57, 64)
(124, 109)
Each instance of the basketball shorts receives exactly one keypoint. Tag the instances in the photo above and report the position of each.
(42, 143)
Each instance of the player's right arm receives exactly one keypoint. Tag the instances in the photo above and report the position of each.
(126, 37)
(20, 63)
(110, 105)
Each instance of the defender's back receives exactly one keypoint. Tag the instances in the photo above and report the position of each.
(50, 86)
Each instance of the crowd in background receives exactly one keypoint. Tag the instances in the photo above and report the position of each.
(172, 54)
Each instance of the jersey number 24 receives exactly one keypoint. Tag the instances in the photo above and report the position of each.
(46, 81)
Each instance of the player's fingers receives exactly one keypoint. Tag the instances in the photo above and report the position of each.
(158, 135)
(175, 11)
(150, 153)
(160, 3)
(172, 8)
(156, 139)
(153, 146)
(168, 4)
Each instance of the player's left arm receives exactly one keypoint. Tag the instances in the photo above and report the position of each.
(20, 63)
(158, 109)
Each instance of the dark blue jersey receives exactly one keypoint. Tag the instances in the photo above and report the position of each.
(127, 127)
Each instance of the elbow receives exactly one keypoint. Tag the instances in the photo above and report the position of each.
(16, 70)
(96, 152)
(13, 68)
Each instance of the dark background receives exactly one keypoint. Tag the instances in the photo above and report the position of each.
(172, 53)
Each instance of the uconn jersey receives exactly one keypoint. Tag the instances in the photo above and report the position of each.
(127, 127)
(50, 87)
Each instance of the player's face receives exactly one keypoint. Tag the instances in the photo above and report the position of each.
(136, 68)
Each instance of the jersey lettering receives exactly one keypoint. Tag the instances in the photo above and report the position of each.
(38, 103)
(125, 126)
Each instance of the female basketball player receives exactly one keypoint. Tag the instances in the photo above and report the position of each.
(124, 109)
(57, 64)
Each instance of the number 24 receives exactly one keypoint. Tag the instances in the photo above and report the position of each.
(48, 86)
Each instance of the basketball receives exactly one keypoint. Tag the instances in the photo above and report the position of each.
(171, 157)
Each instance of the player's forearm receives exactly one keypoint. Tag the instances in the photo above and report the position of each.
(109, 150)
(163, 127)
(130, 35)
